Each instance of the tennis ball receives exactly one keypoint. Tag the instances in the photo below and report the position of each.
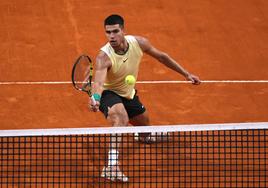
(130, 80)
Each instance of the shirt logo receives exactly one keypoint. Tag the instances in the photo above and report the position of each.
(124, 60)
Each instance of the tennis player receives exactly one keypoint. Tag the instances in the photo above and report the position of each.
(117, 100)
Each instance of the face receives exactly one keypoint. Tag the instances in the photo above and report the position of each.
(115, 34)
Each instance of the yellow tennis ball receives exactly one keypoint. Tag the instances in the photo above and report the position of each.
(130, 80)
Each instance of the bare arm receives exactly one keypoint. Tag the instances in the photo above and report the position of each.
(165, 59)
(103, 63)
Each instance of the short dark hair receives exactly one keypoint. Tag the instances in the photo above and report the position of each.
(114, 19)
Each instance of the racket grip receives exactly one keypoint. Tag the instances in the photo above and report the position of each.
(93, 100)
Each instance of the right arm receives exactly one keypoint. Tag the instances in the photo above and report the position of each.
(102, 65)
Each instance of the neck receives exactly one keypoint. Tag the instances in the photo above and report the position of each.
(122, 48)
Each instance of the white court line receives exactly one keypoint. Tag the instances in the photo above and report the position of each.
(138, 82)
(203, 81)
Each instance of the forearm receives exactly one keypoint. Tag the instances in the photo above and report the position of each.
(172, 64)
(99, 79)
(97, 88)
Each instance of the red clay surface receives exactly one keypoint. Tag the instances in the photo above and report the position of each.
(214, 39)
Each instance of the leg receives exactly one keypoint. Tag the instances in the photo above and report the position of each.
(141, 120)
(114, 111)
(137, 114)
(117, 116)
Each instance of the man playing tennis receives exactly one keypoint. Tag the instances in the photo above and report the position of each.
(117, 100)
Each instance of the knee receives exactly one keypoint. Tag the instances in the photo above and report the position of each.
(141, 120)
(118, 116)
(146, 121)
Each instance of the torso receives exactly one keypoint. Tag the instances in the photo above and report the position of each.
(121, 66)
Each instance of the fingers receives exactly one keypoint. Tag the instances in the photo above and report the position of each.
(194, 79)
(94, 108)
(93, 105)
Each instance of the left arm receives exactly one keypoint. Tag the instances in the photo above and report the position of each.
(165, 59)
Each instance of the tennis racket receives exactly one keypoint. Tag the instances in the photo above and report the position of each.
(82, 74)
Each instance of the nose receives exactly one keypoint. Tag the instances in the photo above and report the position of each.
(111, 35)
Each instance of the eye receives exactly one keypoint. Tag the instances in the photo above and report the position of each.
(108, 32)
(116, 31)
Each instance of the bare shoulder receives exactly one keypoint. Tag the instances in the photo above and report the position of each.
(144, 43)
(102, 56)
(103, 61)
(148, 48)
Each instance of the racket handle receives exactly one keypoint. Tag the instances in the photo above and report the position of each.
(93, 101)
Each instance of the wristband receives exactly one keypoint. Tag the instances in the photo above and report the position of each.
(96, 96)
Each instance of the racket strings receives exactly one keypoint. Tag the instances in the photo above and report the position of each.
(82, 74)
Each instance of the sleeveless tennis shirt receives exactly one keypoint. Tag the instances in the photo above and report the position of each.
(123, 65)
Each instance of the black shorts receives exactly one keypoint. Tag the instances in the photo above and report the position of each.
(133, 106)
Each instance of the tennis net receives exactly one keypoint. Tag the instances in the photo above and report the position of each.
(206, 155)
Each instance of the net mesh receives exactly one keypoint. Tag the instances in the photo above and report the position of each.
(173, 157)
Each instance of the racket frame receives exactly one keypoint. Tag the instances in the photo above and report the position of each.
(89, 79)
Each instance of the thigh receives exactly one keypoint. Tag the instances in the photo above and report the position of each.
(117, 115)
(108, 100)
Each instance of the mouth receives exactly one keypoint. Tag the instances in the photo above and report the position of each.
(113, 42)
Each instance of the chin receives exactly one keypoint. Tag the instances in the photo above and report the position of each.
(114, 44)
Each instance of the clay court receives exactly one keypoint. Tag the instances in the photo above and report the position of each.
(222, 41)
